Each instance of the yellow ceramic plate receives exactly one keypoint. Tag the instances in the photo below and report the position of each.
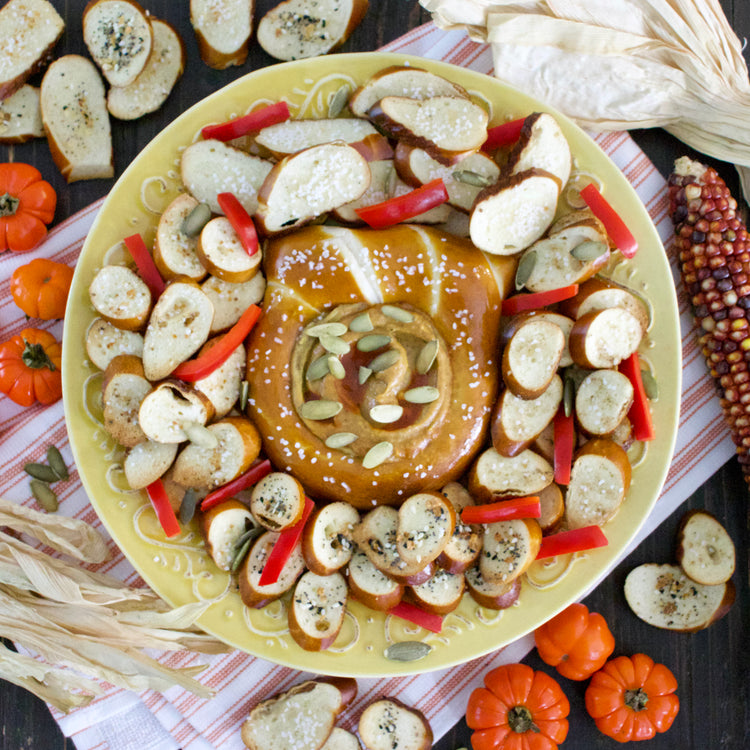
(179, 569)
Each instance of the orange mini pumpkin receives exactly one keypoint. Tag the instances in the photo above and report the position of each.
(30, 367)
(40, 288)
(27, 205)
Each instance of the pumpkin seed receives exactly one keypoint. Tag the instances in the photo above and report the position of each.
(334, 344)
(331, 329)
(426, 357)
(424, 394)
(320, 409)
(372, 342)
(336, 368)
(57, 462)
(361, 323)
(397, 313)
(650, 386)
(589, 250)
(318, 369)
(44, 495)
(340, 439)
(338, 101)
(199, 435)
(386, 413)
(385, 360)
(364, 373)
(471, 178)
(569, 395)
(188, 505)
(244, 394)
(379, 453)
(42, 472)
(525, 268)
(407, 651)
(193, 223)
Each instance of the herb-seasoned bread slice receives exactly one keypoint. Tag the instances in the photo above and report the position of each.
(465, 543)
(105, 341)
(121, 297)
(21, 116)
(317, 610)
(223, 526)
(222, 30)
(371, 586)
(387, 724)
(327, 544)
(440, 594)
(123, 391)
(425, 525)
(508, 548)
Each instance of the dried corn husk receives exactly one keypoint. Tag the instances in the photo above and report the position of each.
(620, 64)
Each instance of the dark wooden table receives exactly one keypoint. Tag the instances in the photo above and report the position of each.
(712, 666)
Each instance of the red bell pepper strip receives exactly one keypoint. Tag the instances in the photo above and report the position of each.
(615, 226)
(252, 476)
(249, 123)
(144, 261)
(535, 300)
(405, 206)
(285, 544)
(564, 439)
(203, 365)
(424, 619)
(575, 540)
(504, 510)
(163, 508)
(503, 135)
(241, 221)
(640, 413)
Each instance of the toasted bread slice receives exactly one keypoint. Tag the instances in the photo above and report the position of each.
(491, 595)
(563, 321)
(175, 253)
(599, 481)
(465, 543)
(518, 476)
(30, 29)
(327, 544)
(221, 251)
(147, 462)
(294, 30)
(531, 357)
(223, 526)
(603, 399)
(495, 226)
(291, 136)
(119, 38)
(601, 339)
(340, 739)
(446, 127)
(317, 610)
(371, 586)
(75, 117)
(211, 167)
(301, 718)
(704, 548)
(21, 116)
(222, 30)
(105, 341)
(237, 446)
(121, 297)
(231, 300)
(387, 724)
(665, 597)
(155, 82)
(222, 387)
(541, 144)
(277, 501)
(508, 548)
(425, 525)
(173, 411)
(401, 80)
(123, 390)
(251, 592)
(552, 504)
(439, 594)
(305, 185)
(179, 325)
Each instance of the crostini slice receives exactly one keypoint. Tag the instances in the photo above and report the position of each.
(601, 339)
(327, 544)
(448, 128)
(293, 30)
(224, 385)
(704, 548)
(147, 462)
(563, 321)
(289, 137)
(155, 82)
(514, 212)
(541, 144)
(173, 411)
(119, 38)
(425, 525)
(665, 597)
(388, 724)
(123, 390)
(465, 543)
(207, 467)
(317, 610)
(341, 739)
(105, 341)
(371, 586)
(121, 297)
(230, 300)
(277, 501)
(521, 475)
(211, 167)
(508, 548)
(21, 116)
(307, 184)
(603, 399)
(223, 526)
(179, 325)
(439, 594)
(491, 595)
(175, 253)
(222, 30)
(531, 357)
(221, 251)
(599, 481)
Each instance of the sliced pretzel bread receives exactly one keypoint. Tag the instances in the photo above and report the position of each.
(327, 544)
(541, 144)
(371, 586)
(508, 548)
(21, 116)
(465, 543)
(222, 30)
(603, 338)
(291, 136)
(175, 253)
(172, 411)
(221, 251)
(440, 594)
(388, 724)
(602, 401)
(531, 357)
(230, 300)
(222, 387)
(223, 526)
(518, 476)
(705, 550)
(123, 390)
(425, 525)
(277, 501)
(121, 297)
(147, 462)
(340, 739)
(491, 595)
(317, 610)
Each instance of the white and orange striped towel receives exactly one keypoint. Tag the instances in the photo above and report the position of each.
(177, 719)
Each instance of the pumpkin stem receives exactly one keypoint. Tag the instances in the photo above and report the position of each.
(36, 358)
(636, 699)
(520, 720)
(8, 205)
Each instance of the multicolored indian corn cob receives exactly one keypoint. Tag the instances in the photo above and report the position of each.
(714, 253)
